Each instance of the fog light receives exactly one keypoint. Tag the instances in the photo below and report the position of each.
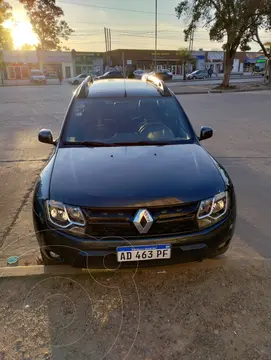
(54, 255)
(222, 245)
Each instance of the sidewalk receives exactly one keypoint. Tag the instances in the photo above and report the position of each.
(207, 89)
(27, 82)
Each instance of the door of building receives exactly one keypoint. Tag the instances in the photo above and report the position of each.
(18, 72)
(174, 69)
(67, 72)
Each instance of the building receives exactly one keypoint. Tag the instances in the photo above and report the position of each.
(55, 62)
(17, 64)
(145, 59)
(254, 61)
(87, 62)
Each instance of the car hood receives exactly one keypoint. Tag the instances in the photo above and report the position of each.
(134, 176)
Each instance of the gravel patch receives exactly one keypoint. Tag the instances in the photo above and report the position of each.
(185, 313)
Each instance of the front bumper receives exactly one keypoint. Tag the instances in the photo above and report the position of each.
(92, 253)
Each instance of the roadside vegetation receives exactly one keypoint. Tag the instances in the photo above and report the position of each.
(235, 23)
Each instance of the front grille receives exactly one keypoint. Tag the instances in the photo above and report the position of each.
(119, 222)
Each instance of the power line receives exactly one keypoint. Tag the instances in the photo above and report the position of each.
(113, 8)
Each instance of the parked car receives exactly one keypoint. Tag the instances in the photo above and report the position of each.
(76, 80)
(113, 74)
(198, 74)
(162, 75)
(129, 182)
(139, 73)
(37, 77)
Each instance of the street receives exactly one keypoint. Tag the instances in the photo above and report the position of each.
(216, 309)
(241, 143)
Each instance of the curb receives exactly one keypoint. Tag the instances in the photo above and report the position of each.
(190, 93)
(237, 90)
(62, 270)
(34, 85)
(219, 91)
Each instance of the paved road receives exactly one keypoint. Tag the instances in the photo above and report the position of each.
(242, 143)
(23, 112)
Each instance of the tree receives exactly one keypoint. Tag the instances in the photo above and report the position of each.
(233, 19)
(185, 58)
(28, 47)
(263, 22)
(45, 17)
(5, 35)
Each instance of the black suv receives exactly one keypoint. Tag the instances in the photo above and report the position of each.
(129, 182)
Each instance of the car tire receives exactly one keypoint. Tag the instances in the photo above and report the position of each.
(76, 82)
(194, 78)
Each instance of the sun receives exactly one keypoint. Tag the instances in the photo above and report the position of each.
(22, 33)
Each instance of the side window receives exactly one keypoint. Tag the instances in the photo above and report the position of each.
(83, 76)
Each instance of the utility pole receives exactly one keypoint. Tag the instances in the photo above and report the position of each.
(155, 55)
(106, 47)
(109, 41)
(123, 65)
(107, 37)
(191, 41)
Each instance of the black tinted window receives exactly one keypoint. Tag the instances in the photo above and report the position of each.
(127, 120)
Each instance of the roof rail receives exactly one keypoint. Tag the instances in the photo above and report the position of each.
(82, 91)
(159, 84)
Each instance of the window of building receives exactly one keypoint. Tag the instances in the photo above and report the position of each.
(67, 71)
(25, 72)
(77, 70)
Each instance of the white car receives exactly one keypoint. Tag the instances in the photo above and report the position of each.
(78, 79)
(37, 77)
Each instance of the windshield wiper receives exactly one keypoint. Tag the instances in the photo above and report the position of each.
(102, 144)
(140, 143)
(88, 143)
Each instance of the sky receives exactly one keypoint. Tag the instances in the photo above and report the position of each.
(131, 24)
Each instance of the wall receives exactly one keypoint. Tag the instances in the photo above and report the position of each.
(86, 62)
(18, 56)
(18, 63)
(54, 61)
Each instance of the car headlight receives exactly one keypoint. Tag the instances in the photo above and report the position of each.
(213, 210)
(64, 216)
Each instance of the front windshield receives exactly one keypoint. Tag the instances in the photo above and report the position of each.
(36, 72)
(124, 121)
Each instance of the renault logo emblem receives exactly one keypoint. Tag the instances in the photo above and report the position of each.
(143, 221)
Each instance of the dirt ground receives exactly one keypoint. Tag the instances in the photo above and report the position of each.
(182, 312)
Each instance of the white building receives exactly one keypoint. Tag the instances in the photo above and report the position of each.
(19, 63)
(53, 62)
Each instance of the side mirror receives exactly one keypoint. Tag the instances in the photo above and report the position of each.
(205, 133)
(46, 136)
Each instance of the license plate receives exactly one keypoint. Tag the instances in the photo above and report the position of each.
(140, 253)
